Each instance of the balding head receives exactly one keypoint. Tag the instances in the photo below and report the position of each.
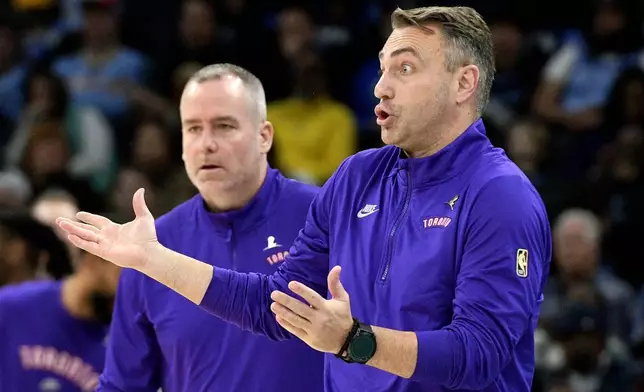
(250, 83)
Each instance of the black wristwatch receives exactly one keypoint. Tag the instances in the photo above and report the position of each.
(360, 345)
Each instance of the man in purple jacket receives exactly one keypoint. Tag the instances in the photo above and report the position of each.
(443, 242)
(244, 217)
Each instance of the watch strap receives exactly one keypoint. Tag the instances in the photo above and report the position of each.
(342, 354)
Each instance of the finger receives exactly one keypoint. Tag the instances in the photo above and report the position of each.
(138, 203)
(100, 222)
(313, 298)
(300, 333)
(87, 246)
(292, 318)
(74, 228)
(294, 305)
(78, 224)
(335, 286)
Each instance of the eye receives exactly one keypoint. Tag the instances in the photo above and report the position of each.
(225, 127)
(193, 129)
(380, 72)
(405, 69)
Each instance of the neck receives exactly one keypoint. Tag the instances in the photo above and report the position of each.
(439, 138)
(100, 51)
(75, 292)
(16, 275)
(240, 196)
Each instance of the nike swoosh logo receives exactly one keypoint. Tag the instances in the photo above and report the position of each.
(362, 214)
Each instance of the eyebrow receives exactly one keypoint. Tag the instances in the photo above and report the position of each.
(398, 52)
(192, 121)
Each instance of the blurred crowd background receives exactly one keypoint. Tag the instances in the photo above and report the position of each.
(89, 96)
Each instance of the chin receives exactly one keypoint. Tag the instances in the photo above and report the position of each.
(389, 136)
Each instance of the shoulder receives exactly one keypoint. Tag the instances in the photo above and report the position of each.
(294, 189)
(293, 197)
(63, 63)
(369, 162)
(339, 109)
(178, 216)
(131, 56)
(501, 190)
(22, 294)
(359, 170)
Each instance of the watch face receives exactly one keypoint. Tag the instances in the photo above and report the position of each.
(362, 347)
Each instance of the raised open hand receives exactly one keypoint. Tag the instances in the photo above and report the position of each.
(126, 245)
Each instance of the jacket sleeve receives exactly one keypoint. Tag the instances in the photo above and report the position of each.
(506, 256)
(133, 355)
(244, 298)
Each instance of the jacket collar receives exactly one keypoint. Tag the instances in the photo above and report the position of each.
(449, 161)
(253, 213)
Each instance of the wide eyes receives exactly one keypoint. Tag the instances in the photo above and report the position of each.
(405, 69)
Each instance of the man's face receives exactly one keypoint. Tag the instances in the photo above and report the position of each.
(415, 86)
(13, 257)
(576, 253)
(47, 211)
(197, 24)
(224, 141)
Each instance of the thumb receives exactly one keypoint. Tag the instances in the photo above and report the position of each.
(138, 203)
(335, 286)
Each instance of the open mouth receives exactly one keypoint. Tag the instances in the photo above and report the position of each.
(210, 167)
(381, 114)
(383, 118)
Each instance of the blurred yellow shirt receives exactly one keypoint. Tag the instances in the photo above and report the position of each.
(312, 137)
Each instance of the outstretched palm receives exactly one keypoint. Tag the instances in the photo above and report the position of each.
(125, 245)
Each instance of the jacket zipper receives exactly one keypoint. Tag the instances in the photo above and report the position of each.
(392, 234)
(231, 241)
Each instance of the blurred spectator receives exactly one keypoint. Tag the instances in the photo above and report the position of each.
(578, 79)
(15, 190)
(45, 163)
(103, 72)
(527, 146)
(616, 183)
(153, 156)
(581, 333)
(363, 100)
(577, 239)
(518, 62)
(129, 181)
(67, 352)
(12, 73)
(313, 132)
(198, 38)
(90, 137)
(153, 105)
(54, 204)
(29, 250)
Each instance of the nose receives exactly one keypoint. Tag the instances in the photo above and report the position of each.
(208, 141)
(383, 89)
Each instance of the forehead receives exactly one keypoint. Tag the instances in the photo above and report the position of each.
(425, 41)
(218, 97)
(573, 227)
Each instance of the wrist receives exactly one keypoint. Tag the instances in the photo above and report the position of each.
(360, 345)
(151, 257)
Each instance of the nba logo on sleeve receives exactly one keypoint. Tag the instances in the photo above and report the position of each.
(522, 263)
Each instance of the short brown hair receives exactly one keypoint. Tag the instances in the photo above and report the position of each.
(468, 37)
(251, 82)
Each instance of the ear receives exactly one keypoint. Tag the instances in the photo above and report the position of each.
(266, 132)
(468, 82)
